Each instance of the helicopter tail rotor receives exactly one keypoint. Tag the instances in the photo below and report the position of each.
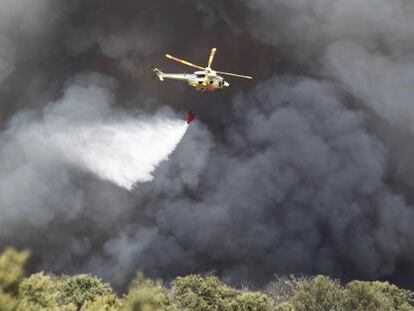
(159, 73)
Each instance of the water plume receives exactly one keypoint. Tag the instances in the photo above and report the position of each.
(123, 152)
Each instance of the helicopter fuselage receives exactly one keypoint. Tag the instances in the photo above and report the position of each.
(207, 80)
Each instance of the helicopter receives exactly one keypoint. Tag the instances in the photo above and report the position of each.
(206, 79)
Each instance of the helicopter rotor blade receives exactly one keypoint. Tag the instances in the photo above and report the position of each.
(210, 60)
(234, 75)
(182, 61)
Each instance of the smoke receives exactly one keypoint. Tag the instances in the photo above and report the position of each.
(115, 147)
(267, 204)
(306, 169)
(14, 18)
(366, 46)
(81, 131)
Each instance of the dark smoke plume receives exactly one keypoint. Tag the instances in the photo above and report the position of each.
(306, 169)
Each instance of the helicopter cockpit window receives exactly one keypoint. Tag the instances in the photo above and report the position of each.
(201, 75)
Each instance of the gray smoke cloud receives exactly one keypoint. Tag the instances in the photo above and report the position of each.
(302, 170)
(16, 18)
(297, 188)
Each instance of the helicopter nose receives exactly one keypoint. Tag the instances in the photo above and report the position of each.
(226, 84)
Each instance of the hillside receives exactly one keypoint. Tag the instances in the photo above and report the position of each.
(41, 291)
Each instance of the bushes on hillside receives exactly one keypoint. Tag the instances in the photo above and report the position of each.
(147, 295)
(77, 292)
(194, 292)
(372, 296)
(84, 292)
(11, 273)
(12, 265)
(322, 293)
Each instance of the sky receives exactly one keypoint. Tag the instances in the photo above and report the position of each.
(305, 169)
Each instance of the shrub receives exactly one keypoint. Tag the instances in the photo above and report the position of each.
(82, 288)
(104, 303)
(147, 295)
(318, 294)
(7, 301)
(249, 301)
(12, 264)
(38, 291)
(66, 292)
(283, 288)
(194, 292)
(367, 296)
(284, 307)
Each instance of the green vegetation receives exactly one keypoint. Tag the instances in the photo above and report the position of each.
(84, 292)
(321, 293)
(194, 292)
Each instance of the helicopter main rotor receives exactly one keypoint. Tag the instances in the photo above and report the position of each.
(207, 69)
